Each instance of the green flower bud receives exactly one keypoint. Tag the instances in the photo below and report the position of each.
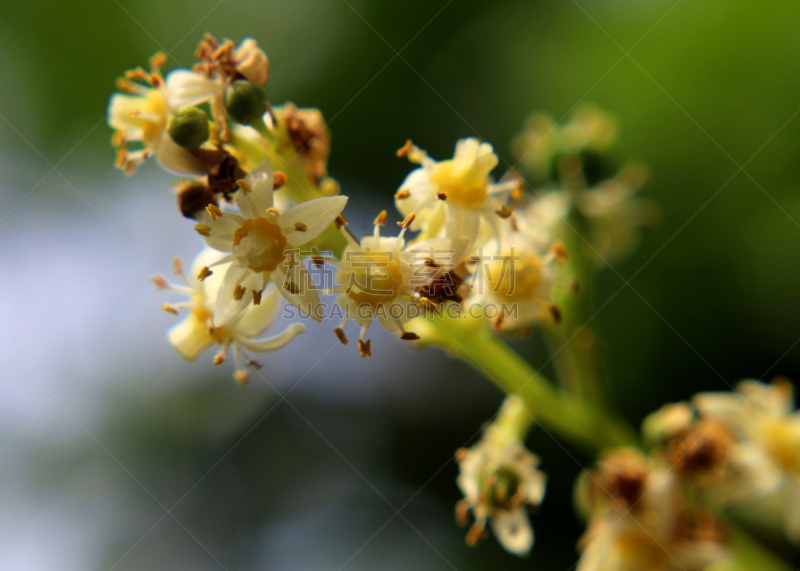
(503, 486)
(246, 102)
(189, 127)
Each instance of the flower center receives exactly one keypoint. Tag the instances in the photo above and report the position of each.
(782, 444)
(515, 279)
(464, 187)
(376, 279)
(259, 245)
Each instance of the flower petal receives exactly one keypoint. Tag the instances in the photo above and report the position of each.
(296, 285)
(275, 342)
(190, 337)
(316, 215)
(259, 199)
(175, 158)
(513, 530)
(186, 87)
(227, 308)
(258, 317)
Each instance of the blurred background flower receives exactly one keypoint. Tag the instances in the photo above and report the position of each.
(116, 454)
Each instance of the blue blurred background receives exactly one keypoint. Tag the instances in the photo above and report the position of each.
(115, 454)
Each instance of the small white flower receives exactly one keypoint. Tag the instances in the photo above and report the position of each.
(140, 116)
(199, 330)
(765, 458)
(500, 481)
(454, 197)
(263, 242)
(381, 277)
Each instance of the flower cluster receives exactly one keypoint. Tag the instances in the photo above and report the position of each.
(257, 192)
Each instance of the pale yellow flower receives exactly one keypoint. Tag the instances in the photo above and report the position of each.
(381, 277)
(200, 329)
(140, 115)
(454, 197)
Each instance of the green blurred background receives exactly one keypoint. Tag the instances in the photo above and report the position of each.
(706, 92)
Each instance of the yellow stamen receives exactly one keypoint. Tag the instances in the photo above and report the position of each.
(219, 358)
(381, 219)
(340, 221)
(214, 211)
(409, 336)
(504, 212)
(160, 281)
(177, 266)
(559, 251)
(169, 308)
(238, 292)
(402, 194)
(244, 186)
(364, 349)
(204, 273)
(241, 377)
(274, 211)
(281, 178)
(408, 220)
(203, 229)
(405, 149)
(256, 297)
(300, 227)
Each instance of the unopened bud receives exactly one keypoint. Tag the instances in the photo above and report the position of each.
(246, 102)
(189, 127)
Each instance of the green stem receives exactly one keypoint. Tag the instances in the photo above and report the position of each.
(575, 346)
(566, 415)
(750, 554)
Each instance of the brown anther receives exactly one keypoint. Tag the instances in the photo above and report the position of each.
(499, 321)
(238, 292)
(555, 312)
(158, 60)
(518, 193)
(476, 534)
(256, 365)
(402, 194)
(256, 297)
(461, 454)
(280, 179)
(155, 79)
(431, 263)
(274, 211)
(364, 348)
(177, 266)
(169, 308)
(160, 281)
(317, 260)
(504, 212)
(575, 287)
(244, 186)
(137, 74)
(213, 211)
(409, 336)
(340, 222)
(204, 273)
(219, 358)
(340, 335)
(559, 250)
(441, 195)
(300, 227)
(126, 85)
(241, 377)
(292, 287)
(405, 149)
(203, 229)
(408, 221)
(462, 509)
(514, 224)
